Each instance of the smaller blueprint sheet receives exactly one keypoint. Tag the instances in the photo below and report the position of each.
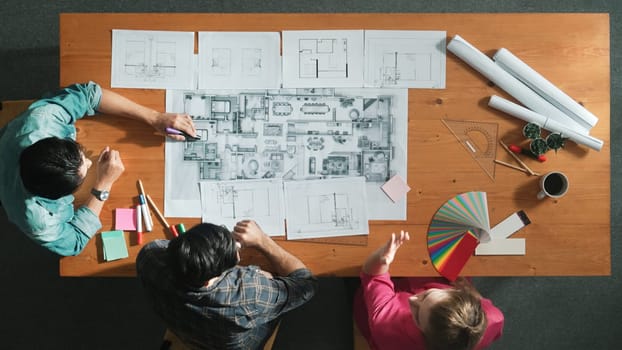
(152, 59)
(322, 58)
(405, 58)
(227, 202)
(326, 208)
(239, 60)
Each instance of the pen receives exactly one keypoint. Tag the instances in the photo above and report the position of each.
(146, 216)
(174, 230)
(139, 224)
(146, 212)
(174, 131)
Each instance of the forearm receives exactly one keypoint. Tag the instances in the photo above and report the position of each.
(282, 261)
(115, 104)
(376, 264)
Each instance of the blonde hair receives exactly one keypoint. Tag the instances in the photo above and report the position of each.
(457, 322)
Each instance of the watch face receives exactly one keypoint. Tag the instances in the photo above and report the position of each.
(101, 195)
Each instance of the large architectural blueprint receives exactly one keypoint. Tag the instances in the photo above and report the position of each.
(291, 135)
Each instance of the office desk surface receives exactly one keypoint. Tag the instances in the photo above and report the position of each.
(568, 236)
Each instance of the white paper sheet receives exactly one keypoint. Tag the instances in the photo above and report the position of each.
(239, 60)
(506, 81)
(227, 202)
(405, 58)
(326, 208)
(507, 246)
(152, 59)
(322, 58)
(544, 88)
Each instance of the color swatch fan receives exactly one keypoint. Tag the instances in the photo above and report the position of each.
(456, 229)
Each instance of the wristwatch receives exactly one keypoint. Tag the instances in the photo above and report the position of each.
(101, 195)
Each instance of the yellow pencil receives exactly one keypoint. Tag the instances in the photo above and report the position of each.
(158, 213)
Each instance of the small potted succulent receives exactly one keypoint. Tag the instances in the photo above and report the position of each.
(555, 141)
(538, 146)
(531, 131)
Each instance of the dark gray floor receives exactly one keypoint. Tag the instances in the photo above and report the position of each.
(40, 310)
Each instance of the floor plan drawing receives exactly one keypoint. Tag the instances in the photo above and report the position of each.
(227, 202)
(323, 58)
(152, 59)
(326, 208)
(414, 59)
(288, 134)
(239, 60)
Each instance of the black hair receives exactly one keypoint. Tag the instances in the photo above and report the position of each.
(50, 167)
(203, 252)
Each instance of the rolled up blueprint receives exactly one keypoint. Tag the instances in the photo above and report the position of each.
(512, 64)
(549, 124)
(509, 83)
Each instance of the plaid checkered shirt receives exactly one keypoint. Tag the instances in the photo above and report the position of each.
(239, 311)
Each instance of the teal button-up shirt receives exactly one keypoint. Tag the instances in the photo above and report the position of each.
(51, 223)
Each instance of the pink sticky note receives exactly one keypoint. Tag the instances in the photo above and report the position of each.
(125, 219)
(395, 188)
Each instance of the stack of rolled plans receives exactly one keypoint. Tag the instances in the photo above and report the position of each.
(546, 105)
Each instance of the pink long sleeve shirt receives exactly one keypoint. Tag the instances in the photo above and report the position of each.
(383, 315)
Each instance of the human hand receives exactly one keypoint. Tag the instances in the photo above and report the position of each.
(181, 122)
(109, 168)
(249, 234)
(387, 252)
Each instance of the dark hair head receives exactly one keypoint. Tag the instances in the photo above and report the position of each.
(456, 322)
(50, 167)
(203, 252)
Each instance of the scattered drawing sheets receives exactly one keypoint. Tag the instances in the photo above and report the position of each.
(326, 208)
(239, 60)
(227, 202)
(323, 58)
(410, 59)
(152, 59)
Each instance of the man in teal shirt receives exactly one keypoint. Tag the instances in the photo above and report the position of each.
(41, 165)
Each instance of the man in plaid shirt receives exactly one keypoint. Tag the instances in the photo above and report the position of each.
(210, 302)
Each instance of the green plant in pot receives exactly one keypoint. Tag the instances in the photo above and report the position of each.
(538, 146)
(531, 131)
(555, 141)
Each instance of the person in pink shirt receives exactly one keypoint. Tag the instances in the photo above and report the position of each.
(421, 313)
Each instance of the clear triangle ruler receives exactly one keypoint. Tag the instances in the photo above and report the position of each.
(479, 139)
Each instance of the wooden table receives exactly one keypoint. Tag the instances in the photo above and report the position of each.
(569, 236)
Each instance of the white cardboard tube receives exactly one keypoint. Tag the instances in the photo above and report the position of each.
(509, 83)
(549, 124)
(512, 64)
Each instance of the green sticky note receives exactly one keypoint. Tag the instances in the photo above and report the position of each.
(114, 245)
